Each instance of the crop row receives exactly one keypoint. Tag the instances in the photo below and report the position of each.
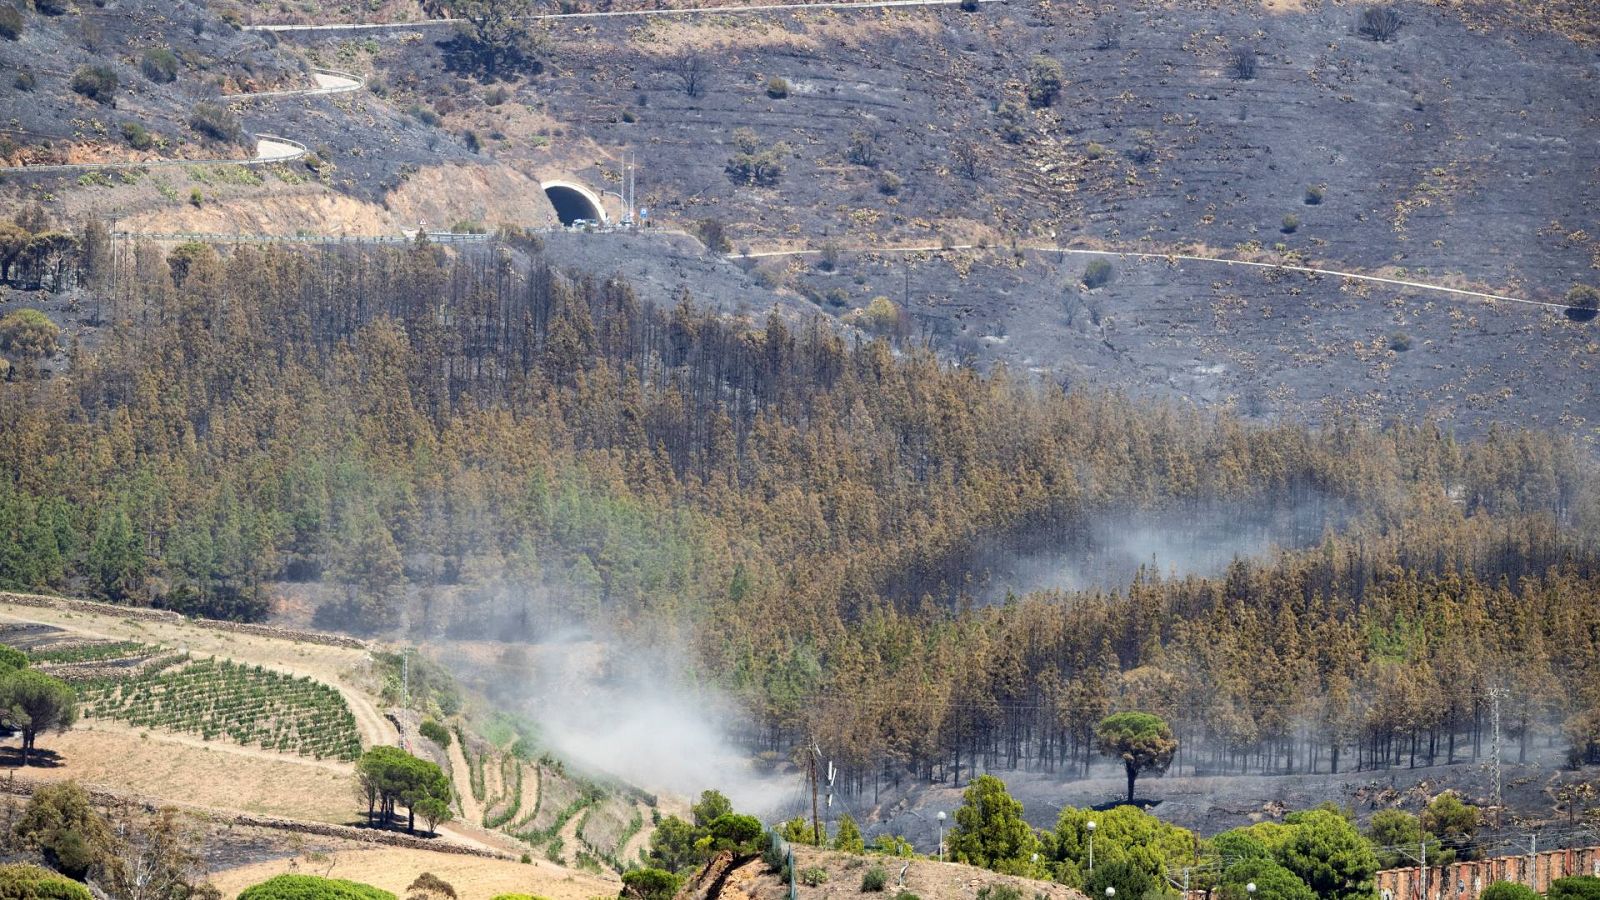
(246, 704)
(91, 652)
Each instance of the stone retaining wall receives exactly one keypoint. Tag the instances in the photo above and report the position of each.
(162, 615)
(107, 798)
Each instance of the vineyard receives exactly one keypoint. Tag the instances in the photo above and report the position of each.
(95, 651)
(221, 699)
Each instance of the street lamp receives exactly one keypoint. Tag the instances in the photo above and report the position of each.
(1110, 891)
(1250, 889)
(1090, 826)
(940, 817)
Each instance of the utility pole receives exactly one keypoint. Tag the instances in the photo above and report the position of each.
(1494, 695)
(405, 678)
(1533, 861)
(816, 823)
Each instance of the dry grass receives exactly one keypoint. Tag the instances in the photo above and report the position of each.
(218, 776)
(393, 869)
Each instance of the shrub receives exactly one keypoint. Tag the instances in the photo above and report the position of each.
(889, 183)
(10, 22)
(1144, 147)
(25, 81)
(310, 887)
(906, 895)
(496, 95)
(159, 65)
(52, 7)
(1577, 887)
(999, 892)
(1508, 890)
(471, 141)
(863, 149)
(196, 199)
(1045, 76)
(777, 88)
(1097, 273)
(1095, 151)
(1380, 23)
(1314, 196)
(24, 882)
(816, 876)
(874, 881)
(29, 332)
(1583, 302)
(828, 260)
(1399, 342)
(753, 165)
(969, 5)
(217, 123)
(137, 136)
(98, 83)
(1012, 122)
(1242, 64)
(435, 732)
(650, 884)
(714, 235)
(426, 116)
(1291, 224)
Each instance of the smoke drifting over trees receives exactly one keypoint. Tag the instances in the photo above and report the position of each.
(480, 446)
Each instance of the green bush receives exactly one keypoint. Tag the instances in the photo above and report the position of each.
(1291, 224)
(999, 892)
(1097, 273)
(52, 7)
(10, 22)
(907, 895)
(816, 876)
(217, 123)
(435, 732)
(1578, 887)
(1399, 342)
(650, 884)
(28, 332)
(1314, 195)
(24, 882)
(159, 65)
(1508, 890)
(137, 136)
(98, 83)
(874, 881)
(889, 183)
(777, 88)
(310, 887)
(25, 80)
(426, 116)
(1045, 77)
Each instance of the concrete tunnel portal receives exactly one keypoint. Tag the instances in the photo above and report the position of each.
(573, 202)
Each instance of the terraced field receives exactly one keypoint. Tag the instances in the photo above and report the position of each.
(249, 705)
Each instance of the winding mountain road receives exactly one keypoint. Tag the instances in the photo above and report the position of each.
(1188, 257)
(270, 148)
(620, 14)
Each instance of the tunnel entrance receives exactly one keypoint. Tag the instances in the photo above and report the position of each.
(574, 202)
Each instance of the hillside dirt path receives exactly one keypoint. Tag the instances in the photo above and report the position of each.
(620, 14)
(632, 851)
(1187, 257)
(461, 774)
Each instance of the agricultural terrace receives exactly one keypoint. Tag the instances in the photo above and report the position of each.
(247, 704)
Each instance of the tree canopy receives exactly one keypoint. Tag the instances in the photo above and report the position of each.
(990, 830)
(33, 702)
(1143, 742)
(1327, 853)
(389, 777)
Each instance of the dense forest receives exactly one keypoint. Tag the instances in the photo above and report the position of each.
(473, 443)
